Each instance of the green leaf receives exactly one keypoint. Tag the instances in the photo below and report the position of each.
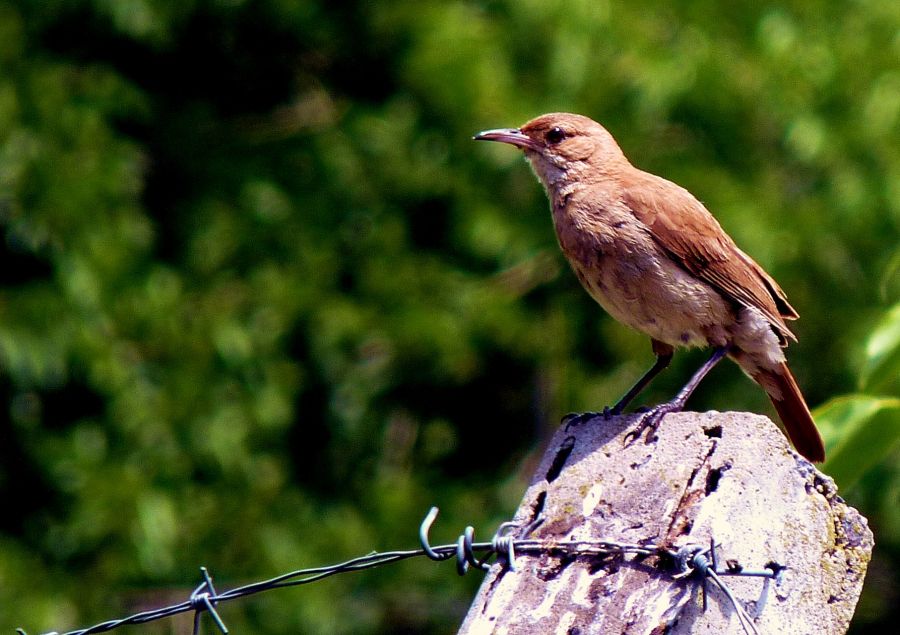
(889, 287)
(882, 365)
(860, 431)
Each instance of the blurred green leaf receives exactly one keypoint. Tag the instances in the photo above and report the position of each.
(889, 287)
(882, 363)
(860, 431)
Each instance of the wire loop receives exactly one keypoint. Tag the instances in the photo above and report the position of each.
(424, 530)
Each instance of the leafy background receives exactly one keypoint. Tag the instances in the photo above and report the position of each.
(263, 302)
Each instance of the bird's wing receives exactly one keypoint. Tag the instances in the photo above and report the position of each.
(684, 228)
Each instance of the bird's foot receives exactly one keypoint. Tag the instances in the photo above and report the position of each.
(577, 418)
(649, 421)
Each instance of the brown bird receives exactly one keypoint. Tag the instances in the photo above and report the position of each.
(653, 256)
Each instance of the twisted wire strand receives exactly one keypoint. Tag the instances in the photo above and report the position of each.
(693, 561)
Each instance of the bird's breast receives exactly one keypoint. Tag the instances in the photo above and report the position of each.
(620, 265)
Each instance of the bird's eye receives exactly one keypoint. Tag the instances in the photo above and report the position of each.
(555, 135)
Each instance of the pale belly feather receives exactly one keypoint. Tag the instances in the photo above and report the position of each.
(654, 296)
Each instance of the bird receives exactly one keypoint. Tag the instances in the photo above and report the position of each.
(656, 260)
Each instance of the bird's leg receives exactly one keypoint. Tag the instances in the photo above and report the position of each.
(663, 354)
(650, 419)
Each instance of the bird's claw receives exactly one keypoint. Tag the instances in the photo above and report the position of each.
(649, 421)
(576, 418)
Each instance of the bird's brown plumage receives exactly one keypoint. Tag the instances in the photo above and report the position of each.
(694, 239)
(653, 256)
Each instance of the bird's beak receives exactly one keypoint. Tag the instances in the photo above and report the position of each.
(513, 136)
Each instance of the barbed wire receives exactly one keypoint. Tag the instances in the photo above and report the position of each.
(688, 561)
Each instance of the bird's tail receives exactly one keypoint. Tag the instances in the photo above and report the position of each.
(785, 394)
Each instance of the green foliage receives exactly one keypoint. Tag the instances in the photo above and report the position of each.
(881, 371)
(262, 301)
(861, 432)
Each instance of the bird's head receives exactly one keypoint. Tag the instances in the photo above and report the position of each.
(563, 148)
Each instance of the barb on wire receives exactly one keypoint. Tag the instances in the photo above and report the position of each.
(508, 542)
(703, 562)
(200, 601)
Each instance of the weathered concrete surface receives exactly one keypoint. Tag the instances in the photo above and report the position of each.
(729, 474)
